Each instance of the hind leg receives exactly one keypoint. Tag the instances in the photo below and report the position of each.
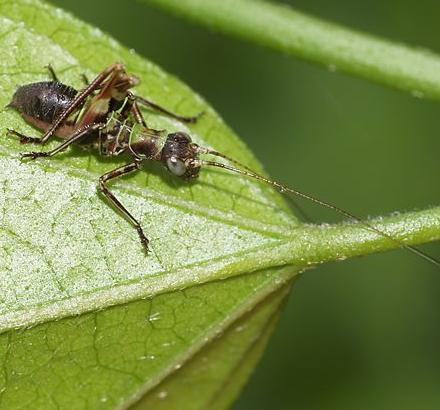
(52, 73)
(24, 139)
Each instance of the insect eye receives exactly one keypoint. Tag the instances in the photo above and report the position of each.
(176, 166)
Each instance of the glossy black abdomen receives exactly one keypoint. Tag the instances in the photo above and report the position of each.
(43, 101)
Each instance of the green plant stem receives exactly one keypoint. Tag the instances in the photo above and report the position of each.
(283, 29)
(317, 244)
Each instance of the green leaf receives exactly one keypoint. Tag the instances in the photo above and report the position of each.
(64, 251)
(142, 350)
(86, 319)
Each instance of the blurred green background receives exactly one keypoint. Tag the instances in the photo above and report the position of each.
(362, 334)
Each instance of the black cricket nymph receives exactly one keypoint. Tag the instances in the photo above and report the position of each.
(106, 115)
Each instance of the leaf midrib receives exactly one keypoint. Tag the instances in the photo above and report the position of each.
(159, 283)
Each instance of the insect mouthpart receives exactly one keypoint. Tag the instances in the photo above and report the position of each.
(181, 156)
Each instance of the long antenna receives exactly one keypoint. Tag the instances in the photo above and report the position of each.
(283, 189)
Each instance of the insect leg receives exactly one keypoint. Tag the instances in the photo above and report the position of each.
(163, 110)
(55, 77)
(138, 115)
(85, 79)
(71, 140)
(24, 139)
(132, 107)
(139, 118)
(124, 170)
(52, 73)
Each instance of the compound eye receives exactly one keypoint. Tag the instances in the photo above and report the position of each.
(176, 166)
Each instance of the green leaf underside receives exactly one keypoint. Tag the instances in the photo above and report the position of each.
(64, 251)
(149, 348)
(244, 341)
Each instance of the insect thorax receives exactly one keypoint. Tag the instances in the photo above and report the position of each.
(125, 136)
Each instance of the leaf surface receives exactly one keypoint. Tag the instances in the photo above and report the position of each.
(88, 320)
(64, 249)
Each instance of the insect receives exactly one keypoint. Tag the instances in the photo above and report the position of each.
(106, 115)
(62, 111)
